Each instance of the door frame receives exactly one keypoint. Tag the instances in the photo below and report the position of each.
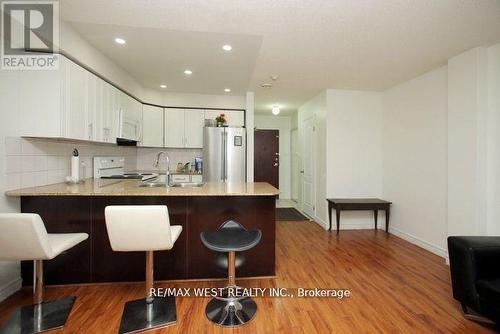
(312, 214)
(295, 156)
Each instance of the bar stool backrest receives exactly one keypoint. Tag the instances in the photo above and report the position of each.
(138, 227)
(23, 237)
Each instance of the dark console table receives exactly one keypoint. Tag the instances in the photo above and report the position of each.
(355, 204)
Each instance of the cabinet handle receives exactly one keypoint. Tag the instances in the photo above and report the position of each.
(91, 131)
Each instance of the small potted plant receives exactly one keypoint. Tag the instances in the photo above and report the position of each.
(221, 119)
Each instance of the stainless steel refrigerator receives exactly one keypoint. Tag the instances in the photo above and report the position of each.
(224, 154)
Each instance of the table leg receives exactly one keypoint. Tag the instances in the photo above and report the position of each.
(337, 213)
(387, 214)
(375, 216)
(330, 216)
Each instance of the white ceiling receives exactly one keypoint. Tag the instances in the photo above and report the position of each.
(160, 56)
(310, 44)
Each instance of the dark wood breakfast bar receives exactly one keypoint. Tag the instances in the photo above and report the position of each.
(80, 208)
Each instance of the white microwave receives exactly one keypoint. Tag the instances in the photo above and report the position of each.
(130, 128)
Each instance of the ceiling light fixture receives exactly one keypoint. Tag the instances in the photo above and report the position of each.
(227, 47)
(227, 90)
(276, 110)
(163, 86)
(188, 72)
(120, 41)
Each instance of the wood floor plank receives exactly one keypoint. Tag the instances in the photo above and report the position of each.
(396, 287)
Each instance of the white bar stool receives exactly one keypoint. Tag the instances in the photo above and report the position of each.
(23, 237)
(143, 228)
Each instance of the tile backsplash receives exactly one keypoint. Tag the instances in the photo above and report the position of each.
(147, 156)
(36, 162)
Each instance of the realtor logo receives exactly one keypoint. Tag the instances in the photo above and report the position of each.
(30, 35)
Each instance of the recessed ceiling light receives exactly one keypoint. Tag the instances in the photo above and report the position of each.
(276, 110)
(119, 40)
(188, 72)
(227, 90)
(227, 47)
(163, 86)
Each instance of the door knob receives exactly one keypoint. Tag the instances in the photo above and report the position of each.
(276, 164)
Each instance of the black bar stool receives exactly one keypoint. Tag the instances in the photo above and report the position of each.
(231, 237)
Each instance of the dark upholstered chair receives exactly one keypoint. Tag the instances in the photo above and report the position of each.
(475, 275)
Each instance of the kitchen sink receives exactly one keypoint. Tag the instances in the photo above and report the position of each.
(175, 185)
(188, 184)
(152, 184)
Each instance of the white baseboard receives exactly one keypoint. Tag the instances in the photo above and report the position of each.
(320, 222)
(419, 242)
(10, 288)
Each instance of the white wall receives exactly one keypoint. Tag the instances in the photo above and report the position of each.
(250, 124)
(493, 141)
(281, 123)
(354, 150)
(316, 107)
(467, 142)
(441, 157)
(415, 159)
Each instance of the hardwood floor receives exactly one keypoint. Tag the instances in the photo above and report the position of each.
(396, 288)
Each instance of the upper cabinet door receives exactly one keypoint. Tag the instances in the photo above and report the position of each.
(95, 107)
(174, 128)
(41, 102)
(193, 129)
(152, 126)
(108, 114)
(235, 118)
(75, 106)
(130, 126)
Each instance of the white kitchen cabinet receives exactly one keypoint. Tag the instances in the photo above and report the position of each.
(194, 121)
(110, 113)
(212, 114)
(130, 118)
(152, 126)
(177, 178)
(235, 118)
(197, 178)
(184, 128)
(39, 100)
(174, 128)
(94, 107)
(75, 102)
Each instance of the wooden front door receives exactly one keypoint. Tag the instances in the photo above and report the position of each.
(266, 156)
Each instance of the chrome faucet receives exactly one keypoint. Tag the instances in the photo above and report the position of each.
(167, 172)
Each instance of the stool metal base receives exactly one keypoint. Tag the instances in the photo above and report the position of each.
(39, 317)
(139, 316)
(232, 313)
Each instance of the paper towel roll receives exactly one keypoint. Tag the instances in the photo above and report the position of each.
(75, 169)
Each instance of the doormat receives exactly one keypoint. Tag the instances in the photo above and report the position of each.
(290, 214)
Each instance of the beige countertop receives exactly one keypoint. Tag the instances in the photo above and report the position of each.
(101, 187)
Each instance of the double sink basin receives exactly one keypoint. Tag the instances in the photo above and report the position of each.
(160, 181)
